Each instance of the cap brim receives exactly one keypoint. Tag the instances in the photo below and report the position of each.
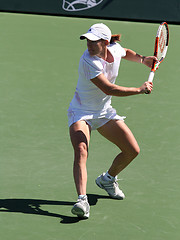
(89, 36)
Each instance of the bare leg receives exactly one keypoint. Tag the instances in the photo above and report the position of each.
(80, 137)
(118, 133)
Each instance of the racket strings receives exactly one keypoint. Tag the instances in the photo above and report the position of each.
(162, 42)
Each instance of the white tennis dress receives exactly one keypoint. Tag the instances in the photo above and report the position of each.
(89, 102)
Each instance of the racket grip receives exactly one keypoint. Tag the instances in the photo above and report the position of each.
(151, 76)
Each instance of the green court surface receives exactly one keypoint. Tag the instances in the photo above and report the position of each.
(39, 58)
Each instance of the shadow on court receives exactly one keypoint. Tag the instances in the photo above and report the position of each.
(33, 206)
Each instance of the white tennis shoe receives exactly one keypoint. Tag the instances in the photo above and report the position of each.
(111, 187)
(81, 208)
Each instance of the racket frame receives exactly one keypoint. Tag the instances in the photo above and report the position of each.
(155, 65)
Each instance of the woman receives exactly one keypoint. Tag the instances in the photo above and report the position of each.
(91, 109)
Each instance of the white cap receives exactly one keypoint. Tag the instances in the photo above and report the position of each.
(96, 32)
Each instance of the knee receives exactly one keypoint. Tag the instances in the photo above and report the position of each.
(132, 153)
(135, 152)
(81, 151)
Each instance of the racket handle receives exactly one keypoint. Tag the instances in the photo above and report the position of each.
(151, 76)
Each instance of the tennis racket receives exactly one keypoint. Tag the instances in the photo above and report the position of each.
(160, 48)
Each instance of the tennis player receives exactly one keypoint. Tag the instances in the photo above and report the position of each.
(90, 109)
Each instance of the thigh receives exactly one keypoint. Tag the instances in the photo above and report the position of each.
(118, 133)
(80, 133)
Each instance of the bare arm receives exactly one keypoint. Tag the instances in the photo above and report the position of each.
(115, 90)
(135, 57)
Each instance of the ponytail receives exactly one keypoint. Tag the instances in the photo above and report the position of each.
(115, 38)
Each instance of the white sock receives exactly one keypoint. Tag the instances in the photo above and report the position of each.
(108, 177)
(81, 196)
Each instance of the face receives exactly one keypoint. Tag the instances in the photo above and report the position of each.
(96, 47)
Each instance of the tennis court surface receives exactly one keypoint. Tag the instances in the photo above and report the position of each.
(39, 58)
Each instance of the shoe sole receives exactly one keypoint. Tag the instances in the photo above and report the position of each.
(79, 212)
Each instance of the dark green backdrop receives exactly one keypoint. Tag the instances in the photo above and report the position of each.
(38, 76)
(161, 10)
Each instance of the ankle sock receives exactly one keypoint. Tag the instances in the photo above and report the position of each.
(82, 196)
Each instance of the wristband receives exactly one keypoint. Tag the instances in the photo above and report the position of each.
(142, 59)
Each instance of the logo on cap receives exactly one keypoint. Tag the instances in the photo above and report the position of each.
(79, 5)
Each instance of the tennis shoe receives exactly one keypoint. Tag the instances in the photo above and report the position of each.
(81, 208)
(111, 187)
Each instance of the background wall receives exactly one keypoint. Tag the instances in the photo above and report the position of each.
(38, 77)
(138, 10)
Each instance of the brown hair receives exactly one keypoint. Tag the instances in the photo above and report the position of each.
(115, 38)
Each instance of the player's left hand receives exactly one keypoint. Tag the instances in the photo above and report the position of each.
(148, 61)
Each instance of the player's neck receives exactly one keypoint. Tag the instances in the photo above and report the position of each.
(103, 54)
(106, 55)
